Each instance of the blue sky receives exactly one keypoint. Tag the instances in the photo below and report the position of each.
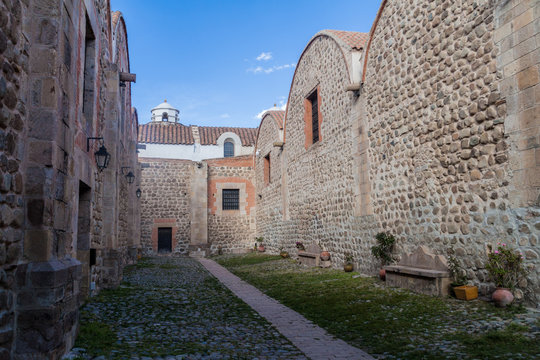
(221, 63)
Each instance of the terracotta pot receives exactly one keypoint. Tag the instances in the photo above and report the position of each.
(325, 256)
(348, 267)
(382, 274)
(284, 254)
(502, 297)
(261, 248)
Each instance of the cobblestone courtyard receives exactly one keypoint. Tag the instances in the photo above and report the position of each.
(172, 308)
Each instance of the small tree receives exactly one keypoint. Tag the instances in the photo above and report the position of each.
(384, 247)
(505, 266)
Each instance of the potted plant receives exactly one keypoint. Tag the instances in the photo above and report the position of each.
(284, 254)
(505, 267)
(383, 251)
(459, 285)
(300, 246)
(260, 246)
(348, 265)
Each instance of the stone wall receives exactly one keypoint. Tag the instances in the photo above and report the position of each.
(52, 194)
(13, 115)
(439, 146)
(269, 209)
(165, 202)
(316, 199)
(441, 138)
(231, 230)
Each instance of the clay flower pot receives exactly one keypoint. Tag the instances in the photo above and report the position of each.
(348, 267)
(325, 256)
(382, 274)
(502, 297)
(261, 248)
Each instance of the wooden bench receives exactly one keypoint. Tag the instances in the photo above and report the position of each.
(421, 271)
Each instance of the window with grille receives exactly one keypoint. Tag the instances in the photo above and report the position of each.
(228, 149)
(231, 199)
(313, 100)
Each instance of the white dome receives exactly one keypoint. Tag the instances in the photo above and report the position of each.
(165, 112)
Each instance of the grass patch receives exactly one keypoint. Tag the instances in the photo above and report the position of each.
(393, 322)
(248, 259)
(96, 337)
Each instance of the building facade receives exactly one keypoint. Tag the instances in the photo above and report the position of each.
(426, 128)
(68, 228)
(185, 172)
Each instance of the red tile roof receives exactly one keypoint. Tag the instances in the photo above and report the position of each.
(355, 40)
(158, 133)
(277, 115)
(209, 135)
(115, 17)
(169, 133)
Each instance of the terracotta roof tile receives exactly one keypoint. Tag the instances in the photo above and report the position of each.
(115, 17)
(355, 40)
(277, 115)
(167, 133)
(209, 134)
(157, 133)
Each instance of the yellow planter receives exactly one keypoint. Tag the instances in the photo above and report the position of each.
(466, 292)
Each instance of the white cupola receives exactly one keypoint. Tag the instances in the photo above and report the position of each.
(166, 113)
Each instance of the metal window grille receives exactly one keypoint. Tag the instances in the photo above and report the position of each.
(314, 116)
(228, 149)
(231, 199)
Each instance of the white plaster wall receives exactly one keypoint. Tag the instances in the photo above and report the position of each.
(194, 152)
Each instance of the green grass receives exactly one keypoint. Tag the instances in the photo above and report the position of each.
(380, 320)
(96, 337)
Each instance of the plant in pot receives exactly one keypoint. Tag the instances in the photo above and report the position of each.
(459, 285)
(260, 246)
(300, 246)
(505, 267)
(348, 265)
(383, 251)
(284, 254)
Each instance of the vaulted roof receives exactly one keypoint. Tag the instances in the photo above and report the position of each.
(209, 135)
(355, 40)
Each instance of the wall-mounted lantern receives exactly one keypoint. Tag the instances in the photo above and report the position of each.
(102, 156)
(129, 176)
(138, 193)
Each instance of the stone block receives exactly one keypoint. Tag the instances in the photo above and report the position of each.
(41, 152)
(38, 245)
(49, 274)
(528, 77)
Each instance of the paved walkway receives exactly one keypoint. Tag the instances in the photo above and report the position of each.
(313, 341)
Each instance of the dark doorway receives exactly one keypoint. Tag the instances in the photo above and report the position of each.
(83, 235)
(164, 240)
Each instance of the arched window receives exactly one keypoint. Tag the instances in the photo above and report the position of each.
(228, 148)
(165, 116)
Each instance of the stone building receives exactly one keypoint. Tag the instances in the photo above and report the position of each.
(427, 128)
(186, 170)
(67, 228)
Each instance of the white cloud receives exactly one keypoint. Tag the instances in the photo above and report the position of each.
(282, 106)
(224, 116)
(269, 70)
(265, 56)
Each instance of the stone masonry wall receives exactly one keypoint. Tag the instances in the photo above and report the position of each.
(232, 230)
(441, 145)
(165, 201)
(13, 113)
(269, 197)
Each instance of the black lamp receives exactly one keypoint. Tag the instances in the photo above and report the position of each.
(130, 177)
(138, 193)
(102, 155)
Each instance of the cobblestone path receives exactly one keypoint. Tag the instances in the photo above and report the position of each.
(314, 341)
(172, 308)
